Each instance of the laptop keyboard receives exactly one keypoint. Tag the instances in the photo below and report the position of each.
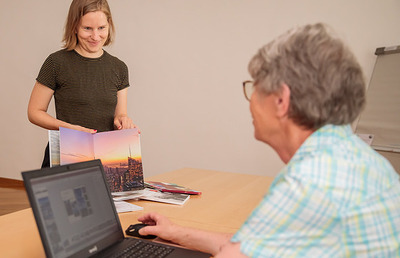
(144, 249)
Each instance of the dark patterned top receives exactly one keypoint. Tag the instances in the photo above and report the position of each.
(85, 89)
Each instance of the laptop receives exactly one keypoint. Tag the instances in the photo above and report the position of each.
(76, 216)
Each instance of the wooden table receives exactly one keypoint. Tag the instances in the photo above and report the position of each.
(226, 201)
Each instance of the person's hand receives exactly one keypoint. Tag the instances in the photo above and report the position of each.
(83, 129)
(159, 226)
(123, 122)
(196, 239)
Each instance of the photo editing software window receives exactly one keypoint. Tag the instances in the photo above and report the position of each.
(67, 204)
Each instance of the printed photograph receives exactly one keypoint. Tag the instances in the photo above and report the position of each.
(119, 152)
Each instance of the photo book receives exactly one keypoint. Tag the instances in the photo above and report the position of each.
(119, 152)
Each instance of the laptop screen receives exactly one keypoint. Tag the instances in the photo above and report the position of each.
(73, 208)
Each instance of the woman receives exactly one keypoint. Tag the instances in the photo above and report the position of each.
(89, 85)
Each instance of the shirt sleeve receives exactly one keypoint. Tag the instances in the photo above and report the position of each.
(47, 74)
(294, 219)
(124, 76)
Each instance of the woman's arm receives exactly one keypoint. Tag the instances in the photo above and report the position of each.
(229, 250)
(208, 242)
(121, 119)
(37, 110)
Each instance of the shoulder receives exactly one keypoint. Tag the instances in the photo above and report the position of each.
(114, 60)
(118, 68)
(61, 56)
(338, 162)
(62, 53)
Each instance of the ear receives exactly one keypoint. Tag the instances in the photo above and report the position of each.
(283, 101)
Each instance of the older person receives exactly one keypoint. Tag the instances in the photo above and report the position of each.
(336, 197)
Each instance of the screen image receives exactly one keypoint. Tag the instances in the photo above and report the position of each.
(74, 209)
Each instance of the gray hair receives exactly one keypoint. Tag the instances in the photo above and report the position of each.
(325, 80)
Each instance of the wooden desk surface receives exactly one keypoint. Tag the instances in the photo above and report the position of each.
(226, 201)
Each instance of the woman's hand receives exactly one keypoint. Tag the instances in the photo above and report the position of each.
(123, 122)
(159, 226)
(81, 128)
(205, 241)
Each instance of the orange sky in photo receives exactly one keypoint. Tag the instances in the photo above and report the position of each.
(113, 148)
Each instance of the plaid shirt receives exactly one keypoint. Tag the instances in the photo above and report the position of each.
(335, 198)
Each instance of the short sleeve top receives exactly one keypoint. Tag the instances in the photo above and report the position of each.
(85, 89)
(335, 198)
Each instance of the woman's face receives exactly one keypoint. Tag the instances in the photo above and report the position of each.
(92, 33)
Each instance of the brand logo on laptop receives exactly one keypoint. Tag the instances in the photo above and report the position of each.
(92, 250)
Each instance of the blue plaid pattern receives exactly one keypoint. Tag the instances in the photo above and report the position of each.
(335, 198)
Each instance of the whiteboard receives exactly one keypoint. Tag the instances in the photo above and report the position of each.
(380, 120)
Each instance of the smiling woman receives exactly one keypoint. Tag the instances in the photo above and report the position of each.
(89, 85)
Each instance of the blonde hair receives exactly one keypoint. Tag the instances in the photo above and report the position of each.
(78, 9)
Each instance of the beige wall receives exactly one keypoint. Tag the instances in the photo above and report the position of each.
(187, 60)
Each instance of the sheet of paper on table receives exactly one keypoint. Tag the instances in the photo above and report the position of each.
(122, 206)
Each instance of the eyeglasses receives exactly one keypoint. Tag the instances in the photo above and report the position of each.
(248, 89)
